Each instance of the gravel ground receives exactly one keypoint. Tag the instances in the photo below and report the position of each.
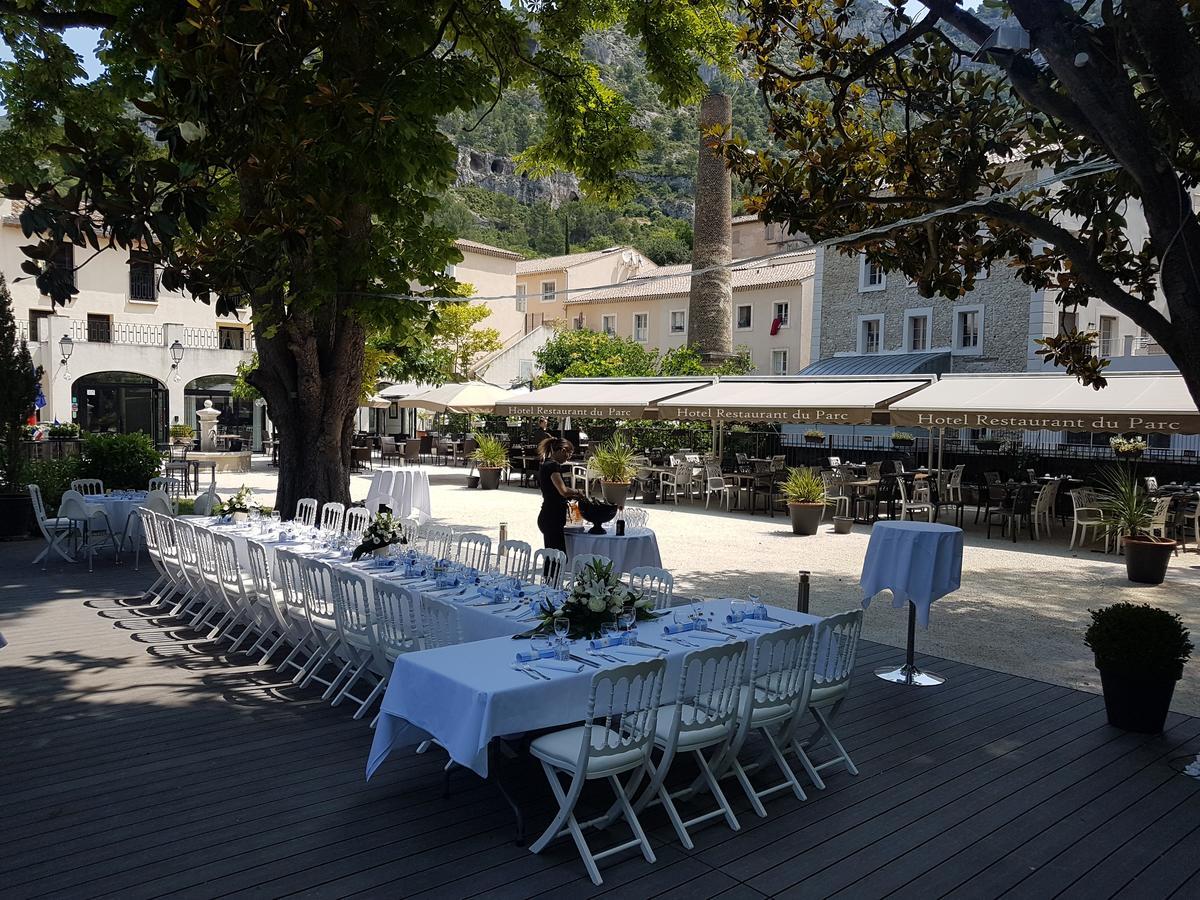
(1022, 607)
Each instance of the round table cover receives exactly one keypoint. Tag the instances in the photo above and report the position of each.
(917, 561)
(410, 493)
(118, 509)
(637, 547)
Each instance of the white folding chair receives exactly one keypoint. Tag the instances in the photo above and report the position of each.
(89, 487)
(514, 558)
(773, 702)
(703, 717)
(356, 629)
(237, 588)
(276, 628)
(439, 623)
(331, 516)
(397, 631)
(92, 522)
(210, 582)
(186, 561)
(474, 550)
(149, 530)
(356, 520)
(837, 645)
(548, 567)
(603, 749)
(317, 591)
(306, 511)
(436, 540)
(305, 647)
(654, 582)
(55, 529)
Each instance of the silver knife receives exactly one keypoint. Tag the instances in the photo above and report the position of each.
(586, 662)
(651, 646)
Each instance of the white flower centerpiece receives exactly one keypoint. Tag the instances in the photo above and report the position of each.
(238, 506)
(596, 598)
(383, 531)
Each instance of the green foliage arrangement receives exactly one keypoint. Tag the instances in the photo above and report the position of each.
(63, 431)
(1126, 505)
(902, 437)
(803, 485)
(613, 461)
(53, 477)
(489, 452)
(121, 461)
(182, 431)
(1138, 638)
(583, 353)
(18, 390)
(596, 598)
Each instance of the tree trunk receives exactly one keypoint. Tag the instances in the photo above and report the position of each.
(710, 304)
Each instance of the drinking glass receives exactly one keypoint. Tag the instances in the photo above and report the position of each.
(608, 631)
(625, 620)
(275, 519)
(738, 609)
(681, 615)
(540, 643)
(562, 627)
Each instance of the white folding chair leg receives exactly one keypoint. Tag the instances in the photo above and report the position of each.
(825, 719)
(656, 792)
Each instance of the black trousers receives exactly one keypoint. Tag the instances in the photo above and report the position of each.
(552, 524)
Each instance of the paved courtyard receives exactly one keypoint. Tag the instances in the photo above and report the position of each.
(1022, 608)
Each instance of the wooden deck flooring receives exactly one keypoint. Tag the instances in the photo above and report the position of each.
(133, 766)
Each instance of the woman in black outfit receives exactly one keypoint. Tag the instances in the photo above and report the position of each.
(555, 494)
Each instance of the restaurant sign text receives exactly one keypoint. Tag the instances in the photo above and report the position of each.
(757, 414)
(1095, 422)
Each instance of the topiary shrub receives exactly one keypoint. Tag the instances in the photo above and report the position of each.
(1136, 637)
(121, 461)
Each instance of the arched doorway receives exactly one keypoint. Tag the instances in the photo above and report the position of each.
(237, 416)
(121, 402)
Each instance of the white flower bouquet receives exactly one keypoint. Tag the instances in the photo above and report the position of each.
(596, 598)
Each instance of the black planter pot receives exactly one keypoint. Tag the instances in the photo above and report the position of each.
(806, 517)
(650, 495)
(1146, 561)
(1136, 701)
(902, 445)
(472, 481)
(489, 478)
(16, 515)
(1128, 454)
(813, 440)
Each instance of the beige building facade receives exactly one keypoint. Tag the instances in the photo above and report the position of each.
(546, 286)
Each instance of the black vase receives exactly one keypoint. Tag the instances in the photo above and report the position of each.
(1137, 701)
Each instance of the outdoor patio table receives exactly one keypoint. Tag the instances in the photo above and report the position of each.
(637, 547)
(118, 509)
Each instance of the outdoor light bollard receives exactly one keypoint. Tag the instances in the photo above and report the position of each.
(503, 538)
(802, 592)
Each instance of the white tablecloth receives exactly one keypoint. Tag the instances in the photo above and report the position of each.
(465, 695)
(118, 509)
(410, 493)
(917, 561)
(637, 547)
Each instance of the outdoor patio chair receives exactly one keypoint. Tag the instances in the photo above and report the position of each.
(55, 529)
(909, 507)
(157, 592)
(703, 718)
(193, 597)
(388, 450)
(837, 645)
(89, 487)
(332, 514)
(410, 531)
(874, 471)
(952, 496)
(774, 701)
(178, 452)
(549, 567)
(306, 511)
(1159, 519)
(1189, 509)
(437, 539)
(440, 624)
(1043, 509)
(1086, 514)
(677, 483)
(651, 581)
(352, 601)
(1151, 483)
(1012, 512)
(316, 590)
(92, 521)
(991, 494)
(474, 551)
(835, 495)
(277, 628)
(715, 483)
(356, 520)
(514, 559)
(237, 589)
(765, 485)
(743, 463)
(593, 751)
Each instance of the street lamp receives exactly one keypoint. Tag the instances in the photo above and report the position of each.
(66, 346)
(177, 352)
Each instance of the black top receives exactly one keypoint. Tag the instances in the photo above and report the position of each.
(552, 500)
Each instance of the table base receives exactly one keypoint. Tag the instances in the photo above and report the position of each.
(909, 673)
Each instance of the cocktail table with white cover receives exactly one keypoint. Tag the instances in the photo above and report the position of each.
(637, 547)
(918, 562)
(467, 694)
(410, 493)
(118, 508)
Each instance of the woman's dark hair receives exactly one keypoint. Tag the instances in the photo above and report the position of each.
(552, 445)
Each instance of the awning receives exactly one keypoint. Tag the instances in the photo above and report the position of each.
(459, 397)
(791, 400)
(881, 364)
(1141, 402)
(600, 398)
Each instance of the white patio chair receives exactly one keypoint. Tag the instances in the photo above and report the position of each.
(89, 487)
(436, 540)
(173, 489)
(331, 516)
(1086, 514)
(356, 629)
(1043, 509)
(514, 559)
(397, 624)
(549, 567)
(595, 751)
(276, 627)
(306, 511)
(676, 484)
(92, 522)
(149, 530)
(305, 647)
(703, 717)
(317, 591)
(774, 701)
(237, 587)
(55, 529)
(210, 582)
(167, 530)
(715, 483)
(474, 550)
(356, 520)
(835, 495)
(837, 645)
(439, 623)
(410, 531)
(911, 507)
(653, 582)
(1160, 518)
(187, 559)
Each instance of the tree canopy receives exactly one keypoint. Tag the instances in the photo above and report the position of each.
(583, 353)
(868, 132)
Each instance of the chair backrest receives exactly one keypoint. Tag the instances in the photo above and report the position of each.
(440, 626)
(581, 561)
(548, 567)
(317, 590)
(39, 505)
(710, 684)
(410, 531)
(352, 609)
(206, 504)
(397, 621)
(149, 525)
(387, 445)
(172, 487)
(188, 551)
(874, 470)
(1162, 507)
(1151, 483)
(264, 587)
(89, 487)
(781, 671)
(159, 502)
(206, 550)
(168, 541)
(306, 511)
(1023, 500)
(636, 517)
(956, 476)
(837, 645)
(1031, 474)
(73, 506)
(177, 452)
(653, 582)
(356, 520)
(514, 558)
(228, 573)
(622, 710)
(1045, 497)
(835, 461)
(287, 568)
(474, 550)
(1082, 497)
(436, 540)
(331, 516)
(412, 450)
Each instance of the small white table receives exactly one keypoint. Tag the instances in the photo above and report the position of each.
(636, 547)
(118, 510)
(918, 562)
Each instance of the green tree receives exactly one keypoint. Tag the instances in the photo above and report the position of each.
(285, 155)
(874, 132)
(459, 342)
(583, 353)
(18, 388)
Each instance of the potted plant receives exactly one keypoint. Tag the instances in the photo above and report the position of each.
(988, 444)
(1140, 651)
(239, 505)
(1127, 509)
(19, 380)
(182, 433)
(1128, 447)
(490, 456)
(63, 431)
(613, 462)
(902, 439)
(814, 436)
(805, 495)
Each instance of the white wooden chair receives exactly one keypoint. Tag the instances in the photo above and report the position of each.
(837, 646)
(316, 584)
(410, 531)
(306, 511)
(594, 751)
(55, 529)
(237, 588)
(653, 582)
(440, 625)
(147, 528)
(474, 550)
(514, 558)
(1086, 514)
(277, 628)
(92, 523)
(356, 520)
(549, 567)
(910, 508)
(437, 539)
(89, 487)
(332, 514)
(355, 619)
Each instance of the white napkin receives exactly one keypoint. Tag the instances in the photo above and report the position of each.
(631, 649)
(563, 665)
(704, 635)
(761, 623)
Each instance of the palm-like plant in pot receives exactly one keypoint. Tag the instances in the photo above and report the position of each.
(18, 391)
(805, 495)
(491, 457)
(613, 462)
(1140, 651)
(1128, 512)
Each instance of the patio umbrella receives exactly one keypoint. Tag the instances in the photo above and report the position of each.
(460, 397)
(377, 402)
(402, 390)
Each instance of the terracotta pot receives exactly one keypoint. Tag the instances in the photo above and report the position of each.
(615, 492)
(806, 517)
(1146, 560)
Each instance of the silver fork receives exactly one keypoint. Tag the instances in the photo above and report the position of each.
(527, 671)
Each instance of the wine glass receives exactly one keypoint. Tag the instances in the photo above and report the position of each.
(562, 627)
(540, 643)
(737, 609)
(608, 631)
